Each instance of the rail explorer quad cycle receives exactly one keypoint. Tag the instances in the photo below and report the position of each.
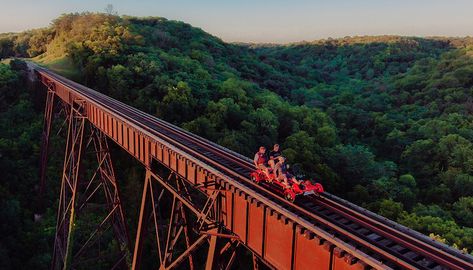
(290, 190)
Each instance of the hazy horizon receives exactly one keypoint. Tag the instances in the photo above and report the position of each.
(281, 22)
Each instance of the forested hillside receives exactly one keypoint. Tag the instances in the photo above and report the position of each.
(386, 122)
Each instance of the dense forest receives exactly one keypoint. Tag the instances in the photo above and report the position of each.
(385, 122)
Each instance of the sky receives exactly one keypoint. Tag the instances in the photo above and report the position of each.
(268, 21)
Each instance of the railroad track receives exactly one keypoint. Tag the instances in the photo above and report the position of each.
(393, 245)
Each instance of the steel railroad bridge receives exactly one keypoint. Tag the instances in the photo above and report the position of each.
(212, 207)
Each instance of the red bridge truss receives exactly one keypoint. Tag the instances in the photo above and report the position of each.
(199, 206)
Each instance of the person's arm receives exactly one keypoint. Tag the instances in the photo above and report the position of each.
(255, 160)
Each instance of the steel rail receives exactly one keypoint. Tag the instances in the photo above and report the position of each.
(408, 241)
(401, 228)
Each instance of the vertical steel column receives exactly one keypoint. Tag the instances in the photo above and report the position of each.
(142, 223)
(67, 201)
(174, 230)
(182, 189)
(48, 118)
(209, 265)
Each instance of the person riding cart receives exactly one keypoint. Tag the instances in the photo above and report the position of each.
(273, 156)
(280, 171)
(286, 184)
(260, 161)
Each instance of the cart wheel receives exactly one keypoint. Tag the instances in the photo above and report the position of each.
(289, 197)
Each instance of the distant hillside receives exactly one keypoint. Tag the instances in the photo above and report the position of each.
(384, 121)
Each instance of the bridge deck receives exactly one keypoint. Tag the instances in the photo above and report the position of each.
(319, 232)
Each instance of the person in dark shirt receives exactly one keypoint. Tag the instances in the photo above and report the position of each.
(274, 155)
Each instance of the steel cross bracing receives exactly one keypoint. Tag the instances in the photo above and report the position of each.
(316, 234)
(67, 198)
(76, 194)
(177, 226)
